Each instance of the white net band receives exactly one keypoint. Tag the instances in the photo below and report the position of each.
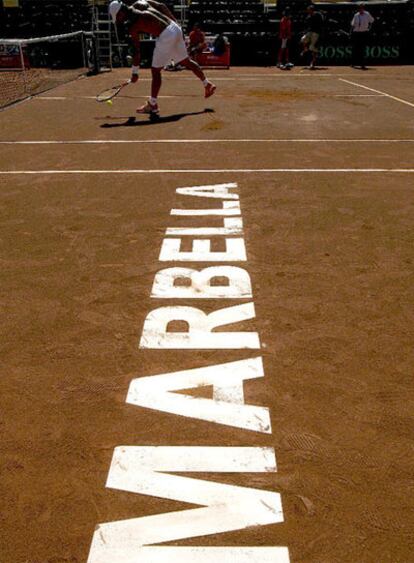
(49, 38)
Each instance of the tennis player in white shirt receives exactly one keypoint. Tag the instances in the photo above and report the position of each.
(360, 27)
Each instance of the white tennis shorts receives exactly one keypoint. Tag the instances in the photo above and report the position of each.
(169, 45)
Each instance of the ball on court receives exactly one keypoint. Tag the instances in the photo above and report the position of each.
(109, 102)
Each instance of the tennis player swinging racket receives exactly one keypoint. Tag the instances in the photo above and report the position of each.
(154, 18)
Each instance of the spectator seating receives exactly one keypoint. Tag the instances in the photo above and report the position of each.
(251, 29)
(34, 18)
(227, 15)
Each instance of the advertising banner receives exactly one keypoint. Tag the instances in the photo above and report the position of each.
(342, 53)
(10, 57)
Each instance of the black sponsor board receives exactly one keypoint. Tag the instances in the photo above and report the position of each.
(342, 53)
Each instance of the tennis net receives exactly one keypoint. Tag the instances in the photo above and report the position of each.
(32, 66)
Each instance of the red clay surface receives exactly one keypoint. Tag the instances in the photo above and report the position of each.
(331, 260)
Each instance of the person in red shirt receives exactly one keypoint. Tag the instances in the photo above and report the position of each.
(285, 34)
(154, 18)
(197, 42)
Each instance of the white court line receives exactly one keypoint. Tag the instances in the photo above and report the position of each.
(60, 98)
(378, 92)
(354, 95)
(94, 97)
(212, 171)
(199, 141)
(301, 74)
(299, 71)
(254, 77)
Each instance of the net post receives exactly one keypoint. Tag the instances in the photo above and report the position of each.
(23, 66)
(83, 41)
(95, 61)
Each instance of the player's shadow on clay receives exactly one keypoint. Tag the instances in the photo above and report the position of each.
(135, 122)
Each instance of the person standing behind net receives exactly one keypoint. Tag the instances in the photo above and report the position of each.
(360, 27)
(154, 18)
(285, 35)
(314, 25)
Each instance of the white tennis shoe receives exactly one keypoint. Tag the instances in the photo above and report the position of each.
(148, 108)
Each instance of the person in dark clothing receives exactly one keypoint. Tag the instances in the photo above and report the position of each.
(314, 26)
(220, 45)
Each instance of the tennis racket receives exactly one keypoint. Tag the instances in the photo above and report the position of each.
(110, 93)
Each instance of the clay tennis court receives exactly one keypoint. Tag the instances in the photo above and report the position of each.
(324, 167)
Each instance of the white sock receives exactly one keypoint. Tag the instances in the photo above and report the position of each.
(153, 101)
(205, 82)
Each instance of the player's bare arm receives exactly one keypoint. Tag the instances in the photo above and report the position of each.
(138, 8)
(136, 58)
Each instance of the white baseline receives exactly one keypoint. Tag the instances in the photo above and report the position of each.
(214, 171)
(196, 141)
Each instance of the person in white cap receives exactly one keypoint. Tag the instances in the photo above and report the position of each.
(149, 16)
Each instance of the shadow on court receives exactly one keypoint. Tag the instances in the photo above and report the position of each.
(315, 68)
(133, 121)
